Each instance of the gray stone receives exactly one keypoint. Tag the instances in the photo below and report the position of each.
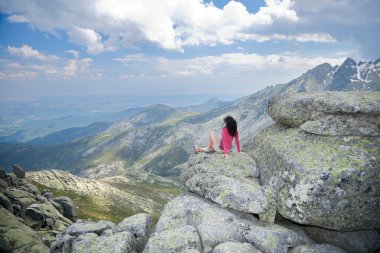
(19, 172)
(231, 183)
(214, 224)
(16, 209)
(33, 217)
(317, 248)
(41, 199)
(359, 125)
(3, 184)
(275, 238)
(174, 240)
(6, 203)
(56, 205)
(28, 187)
(107, 232)
(47, 194)
(352, 242)
(358, 112)
(235, 247)
(239, 194)
(84, 227)
(62, 244)
(118, 243)
(36, 215)
(17, 237)
(314, 175)
(19, 197)
(68, 206)
(2, 174)
(239, 165)
(139, 225)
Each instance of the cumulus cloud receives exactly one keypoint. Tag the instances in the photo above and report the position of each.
(87, 37)
(26, 51)
(170, 24)
(280, 67)
(51, 67)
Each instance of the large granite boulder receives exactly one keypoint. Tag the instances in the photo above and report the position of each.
(18, 171)
(231, 183)
(16, 237)
(6, 203)
(20, 197)
(130, 235)
(174, 240)
(328, 181)
(116, 243)
(275, 238)
(329, 113)
(44, 215)
(352, 242)
(68, 207)
(235, 247)
(139, 225)
(214, 224)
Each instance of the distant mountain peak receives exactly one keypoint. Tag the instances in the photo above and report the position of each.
(349, 61)
(356, 76)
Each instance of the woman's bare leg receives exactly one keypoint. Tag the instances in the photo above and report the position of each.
(212, 143)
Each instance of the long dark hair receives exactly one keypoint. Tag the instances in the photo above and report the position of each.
(231, 125)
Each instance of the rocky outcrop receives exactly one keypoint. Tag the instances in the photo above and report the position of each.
(28, 220)
(231, 183)
(130, 235)
(329, 113)
(214, 224)
(315, 175)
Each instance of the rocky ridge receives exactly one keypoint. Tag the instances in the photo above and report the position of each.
(30, 219)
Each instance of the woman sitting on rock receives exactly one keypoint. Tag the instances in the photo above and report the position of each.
(229, 132)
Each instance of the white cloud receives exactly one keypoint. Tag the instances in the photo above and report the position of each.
(18, 19)
(170, 24)
(88, 37)
(60, 68)
(236, 64)
(73, 52)
(18, 75)
(26, 51)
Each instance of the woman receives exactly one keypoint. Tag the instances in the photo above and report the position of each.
(229, 132)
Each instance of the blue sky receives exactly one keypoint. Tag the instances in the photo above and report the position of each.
(50, 48)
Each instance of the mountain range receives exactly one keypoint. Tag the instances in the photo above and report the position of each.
(150, 146)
